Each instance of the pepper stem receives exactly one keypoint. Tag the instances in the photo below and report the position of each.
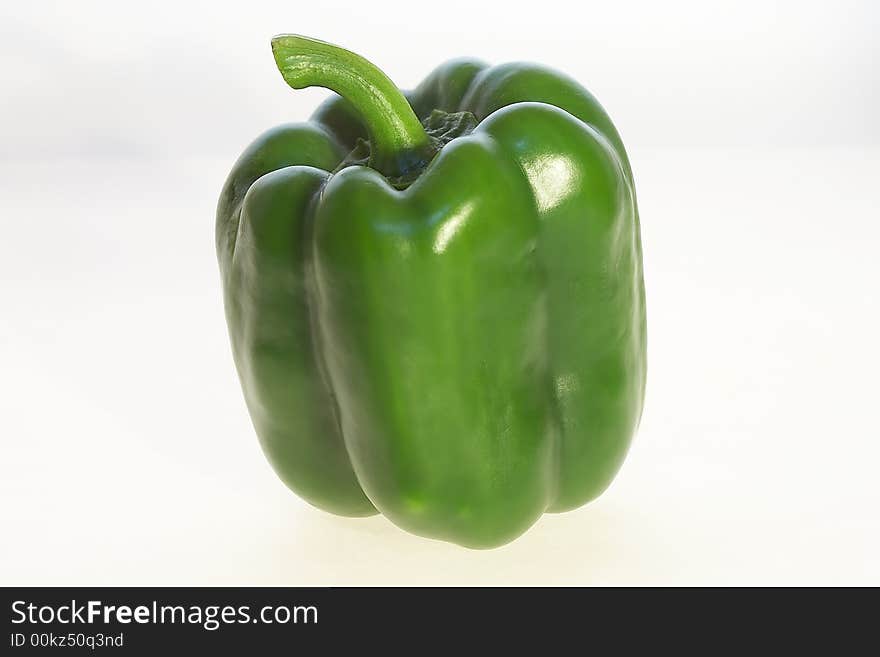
(398, 141)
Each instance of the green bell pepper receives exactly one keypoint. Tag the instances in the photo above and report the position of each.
(435, 299)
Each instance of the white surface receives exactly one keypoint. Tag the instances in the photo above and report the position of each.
(127, 454)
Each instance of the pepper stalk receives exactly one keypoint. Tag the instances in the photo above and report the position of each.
(398, 142)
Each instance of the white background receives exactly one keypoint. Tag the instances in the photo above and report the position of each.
(127, 453)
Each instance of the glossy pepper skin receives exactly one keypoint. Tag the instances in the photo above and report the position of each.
(449, 333)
